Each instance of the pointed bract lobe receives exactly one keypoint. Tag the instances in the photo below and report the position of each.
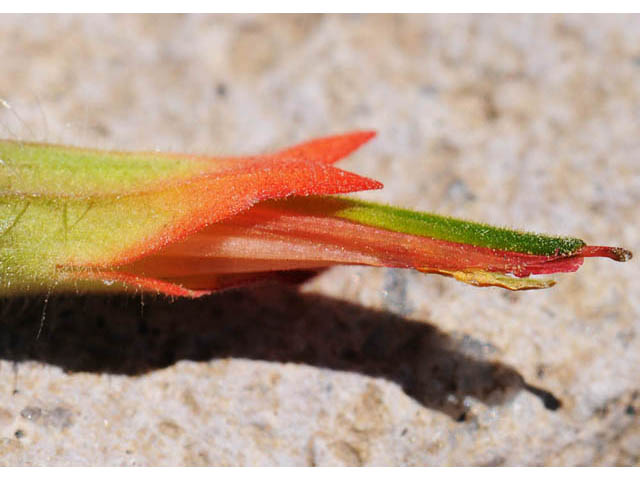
(329, 149)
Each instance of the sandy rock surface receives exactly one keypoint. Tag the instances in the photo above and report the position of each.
(529, 121)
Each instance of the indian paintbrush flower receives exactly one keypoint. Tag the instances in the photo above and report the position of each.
(76, 219)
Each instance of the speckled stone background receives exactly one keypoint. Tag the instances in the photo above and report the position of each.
(529, 121)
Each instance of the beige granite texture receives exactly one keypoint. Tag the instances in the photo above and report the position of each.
(529, 121)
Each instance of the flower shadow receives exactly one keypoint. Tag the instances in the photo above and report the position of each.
(118, 334)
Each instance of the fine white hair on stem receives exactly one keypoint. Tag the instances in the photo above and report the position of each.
(7, 106)
(43, 117)
(44, 310)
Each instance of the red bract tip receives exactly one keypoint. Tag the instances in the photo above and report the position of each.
(328, 149)
(615, 253)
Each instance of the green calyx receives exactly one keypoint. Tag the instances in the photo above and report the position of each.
(39, 169)
(437, 226)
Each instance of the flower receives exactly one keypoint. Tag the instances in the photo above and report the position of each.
(187, 225)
